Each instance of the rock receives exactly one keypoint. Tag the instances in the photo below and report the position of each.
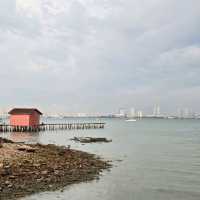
(36, 165)
(4, 140)
(62, 152)
(6, 171)
(90, 139)
(7, 182)
(44, 172)
(12, 177)
(26, 148)
(56, 172)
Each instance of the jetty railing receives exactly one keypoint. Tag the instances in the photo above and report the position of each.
(51, 127)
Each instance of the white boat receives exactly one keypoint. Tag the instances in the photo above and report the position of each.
(131, 120)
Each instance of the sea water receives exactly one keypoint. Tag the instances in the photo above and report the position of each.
(153, 159)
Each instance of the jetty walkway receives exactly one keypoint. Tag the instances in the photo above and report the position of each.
(51, 127)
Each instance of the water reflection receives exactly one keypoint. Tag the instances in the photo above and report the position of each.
(26, 137)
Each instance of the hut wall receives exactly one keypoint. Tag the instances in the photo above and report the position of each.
(34, 119)
(19, 120)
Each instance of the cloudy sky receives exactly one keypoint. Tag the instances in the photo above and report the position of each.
(100, 55)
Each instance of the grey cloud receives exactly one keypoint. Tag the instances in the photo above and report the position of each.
(17, 23)
(96, 56)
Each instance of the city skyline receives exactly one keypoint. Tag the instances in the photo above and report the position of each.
(123, 112)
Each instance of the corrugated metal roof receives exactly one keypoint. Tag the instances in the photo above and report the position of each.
(24, 111)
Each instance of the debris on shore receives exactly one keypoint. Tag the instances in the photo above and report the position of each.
(27, 169)
(90, 139)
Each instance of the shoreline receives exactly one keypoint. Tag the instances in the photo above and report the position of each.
(34, 168)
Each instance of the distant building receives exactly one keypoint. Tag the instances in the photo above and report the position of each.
(180, 113)
(139, 114)
(122, 112)
(81, 115)
(132, 112)
(186, 113)
(25, 117)
(156, 111)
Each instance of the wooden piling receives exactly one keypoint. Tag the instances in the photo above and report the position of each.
(51, 127)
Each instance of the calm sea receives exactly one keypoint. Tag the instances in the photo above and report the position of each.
(160, 160)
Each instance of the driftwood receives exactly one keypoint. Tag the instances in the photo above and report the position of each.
(90, 139)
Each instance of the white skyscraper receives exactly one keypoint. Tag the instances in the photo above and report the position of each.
(186, 113)
(132, 112)
(139, 114)
(156, 111)
(180, 113)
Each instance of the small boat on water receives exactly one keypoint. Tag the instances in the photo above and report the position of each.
(131, 120)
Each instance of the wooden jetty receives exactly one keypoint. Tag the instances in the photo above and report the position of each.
(51, 127)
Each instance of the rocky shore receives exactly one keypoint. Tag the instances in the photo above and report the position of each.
(27, 169)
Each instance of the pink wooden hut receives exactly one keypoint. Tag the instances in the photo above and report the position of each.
(25, 117)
